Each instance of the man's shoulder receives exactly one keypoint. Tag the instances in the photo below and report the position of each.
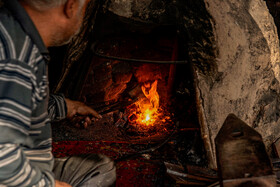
(9, 24)
(15, 43)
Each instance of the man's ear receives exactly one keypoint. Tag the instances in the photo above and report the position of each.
(70, 8)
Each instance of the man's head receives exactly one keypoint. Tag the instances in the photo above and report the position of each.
(44, 4)
(58, 20)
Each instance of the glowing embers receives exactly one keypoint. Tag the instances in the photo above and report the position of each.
(146, 115)
(148, 106)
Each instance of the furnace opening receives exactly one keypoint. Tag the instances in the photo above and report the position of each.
(137, 71)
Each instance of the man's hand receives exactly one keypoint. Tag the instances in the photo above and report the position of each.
(80, 109)
(61, 184)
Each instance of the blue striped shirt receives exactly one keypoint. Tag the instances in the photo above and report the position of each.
(25, 130)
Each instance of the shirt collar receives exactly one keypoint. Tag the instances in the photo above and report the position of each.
(28, 26)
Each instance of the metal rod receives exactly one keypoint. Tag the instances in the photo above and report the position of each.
(93, 48)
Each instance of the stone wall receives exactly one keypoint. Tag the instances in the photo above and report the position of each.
(247, 78)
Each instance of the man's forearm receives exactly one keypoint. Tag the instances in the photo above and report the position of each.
(57, 108)
(16, 169)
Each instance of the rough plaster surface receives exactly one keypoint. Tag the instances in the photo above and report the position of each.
(128, 8)
(147, 11)
(121, 7)
(247, 81)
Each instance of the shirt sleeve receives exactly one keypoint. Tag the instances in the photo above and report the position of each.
(16, 86)
(57, 108)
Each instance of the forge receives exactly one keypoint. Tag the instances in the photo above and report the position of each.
(132, 79)
(165, 75)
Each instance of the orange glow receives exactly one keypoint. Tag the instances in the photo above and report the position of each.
(148, 117)
(145, 115)
(148, 107)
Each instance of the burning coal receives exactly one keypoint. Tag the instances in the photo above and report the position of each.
(146, 113)
(148, 107)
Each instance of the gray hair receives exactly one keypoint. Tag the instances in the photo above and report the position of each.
(47, 4)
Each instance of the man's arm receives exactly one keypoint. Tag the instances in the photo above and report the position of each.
(60, 108)
(16, 85)
(57, 108)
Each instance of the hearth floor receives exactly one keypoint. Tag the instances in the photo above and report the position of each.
(139, 169)
(132, 172)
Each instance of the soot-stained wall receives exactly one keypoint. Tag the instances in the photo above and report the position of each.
(247, 78)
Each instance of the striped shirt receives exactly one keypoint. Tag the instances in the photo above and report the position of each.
(25, 130)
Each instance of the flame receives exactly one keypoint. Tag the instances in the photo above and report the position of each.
(148, 117)
(148, 106)
(145, 115)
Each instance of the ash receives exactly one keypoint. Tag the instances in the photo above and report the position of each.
(184, 147)
(114, 126)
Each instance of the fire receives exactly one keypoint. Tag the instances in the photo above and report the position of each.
(148, 117)
(145, 115)
(148, 107)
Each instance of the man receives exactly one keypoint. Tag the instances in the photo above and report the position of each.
(27, 27)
